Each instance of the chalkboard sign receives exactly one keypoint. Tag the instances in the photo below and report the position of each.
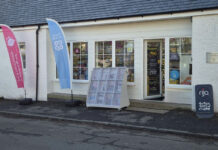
(108, 88)
(204, 101)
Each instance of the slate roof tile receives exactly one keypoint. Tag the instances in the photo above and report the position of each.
(29, 12)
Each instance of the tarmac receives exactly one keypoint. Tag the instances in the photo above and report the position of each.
(175, 121)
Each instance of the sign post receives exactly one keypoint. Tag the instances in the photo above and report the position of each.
(204, 101)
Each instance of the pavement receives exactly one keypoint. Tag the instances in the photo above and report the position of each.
(176, 121)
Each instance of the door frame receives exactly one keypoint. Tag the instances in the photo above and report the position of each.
(145, 64)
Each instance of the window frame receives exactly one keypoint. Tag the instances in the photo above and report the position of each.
(167, 65)
(124, 54)
(97, 54)
(21, 53)
(71, 62)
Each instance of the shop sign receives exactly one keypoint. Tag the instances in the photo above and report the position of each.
(212, 58)
(204, 101)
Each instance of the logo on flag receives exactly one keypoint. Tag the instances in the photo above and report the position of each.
(10, 41)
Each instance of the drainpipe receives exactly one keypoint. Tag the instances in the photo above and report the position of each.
(37, 61)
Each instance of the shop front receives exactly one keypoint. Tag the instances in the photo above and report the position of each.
(157, 55)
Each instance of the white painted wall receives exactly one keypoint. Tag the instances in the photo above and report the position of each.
(8, 87)
(205, 39)
(43, 68)
(129, 31)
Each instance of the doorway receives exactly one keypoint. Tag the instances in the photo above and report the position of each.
(154, 67)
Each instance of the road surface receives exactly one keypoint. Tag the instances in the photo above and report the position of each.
(33, 134)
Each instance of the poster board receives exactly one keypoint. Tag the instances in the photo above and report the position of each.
(108, 88)
(204, 101)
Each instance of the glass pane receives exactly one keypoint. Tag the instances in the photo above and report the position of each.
(76, 48)
(99, 47)
(130, 77)
(76, 61)
(24, 60)
(76, 73)
(107, 61)
(84, 74)
(186, 45)
(175, 45)
(22, 47)
(84, 61)
(84, 48)
(129, 61)
(99, 61)
(119, 47)
(180, 61)
(185, 66)
(68, 48)
(129, 47)
(119, 60)
(108, 47)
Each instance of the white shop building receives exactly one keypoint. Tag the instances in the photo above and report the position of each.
(166, 53)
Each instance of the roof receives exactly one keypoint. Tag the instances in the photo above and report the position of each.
(32, 12)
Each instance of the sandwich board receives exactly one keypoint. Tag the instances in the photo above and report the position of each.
(108, 88)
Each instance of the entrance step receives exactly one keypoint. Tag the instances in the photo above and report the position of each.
(136, 105)
(149, 110)
(151, 104)
(63, 97)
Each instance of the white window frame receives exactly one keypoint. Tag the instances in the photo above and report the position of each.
(167, 62)
(71, 61)
(114, 56)
(21, 53)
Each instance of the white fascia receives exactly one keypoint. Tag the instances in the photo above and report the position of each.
(142, 18)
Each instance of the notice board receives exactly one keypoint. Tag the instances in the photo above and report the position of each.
(108, 88)
(204, 101)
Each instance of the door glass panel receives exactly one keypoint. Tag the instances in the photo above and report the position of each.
(153, 68)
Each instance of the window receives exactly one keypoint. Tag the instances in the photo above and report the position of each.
(68, 48)
(103, 54)
(125, 57)
(80, 61)
(180, 69)
(22, 47)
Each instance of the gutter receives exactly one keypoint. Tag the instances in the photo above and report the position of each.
(37, 61)
(197, 11)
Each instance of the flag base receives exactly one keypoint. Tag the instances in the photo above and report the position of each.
(26, 101)
(73, 103)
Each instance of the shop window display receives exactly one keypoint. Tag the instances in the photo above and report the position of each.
(180, 69)
(103, 54)
(125, 57)
(80, 61)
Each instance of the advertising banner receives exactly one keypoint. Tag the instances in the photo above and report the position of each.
(14, 54)
(204, 101)
(61, 54)
(108, 88)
